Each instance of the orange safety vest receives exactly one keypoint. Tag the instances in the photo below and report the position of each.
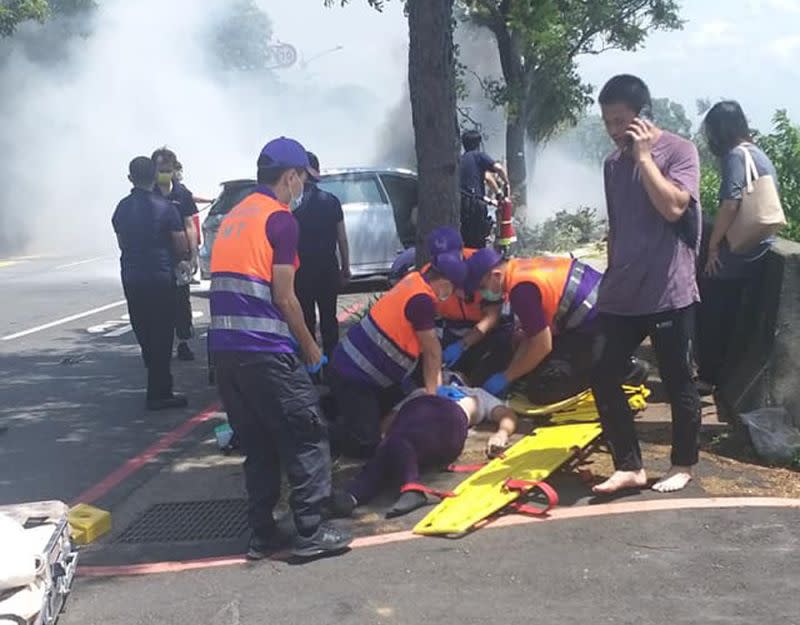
(384, 345)
(243, 317)
(558, 279)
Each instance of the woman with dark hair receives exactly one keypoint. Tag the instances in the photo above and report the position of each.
(725, 273)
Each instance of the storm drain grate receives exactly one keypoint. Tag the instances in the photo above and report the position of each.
(219, 519)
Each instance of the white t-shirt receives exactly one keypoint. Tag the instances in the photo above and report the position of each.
(485, 400)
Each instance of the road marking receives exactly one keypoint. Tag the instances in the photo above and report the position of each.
(80, 262)
(58, 322)
(119, 332)
(148, 455)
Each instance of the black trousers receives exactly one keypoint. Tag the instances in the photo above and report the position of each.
(617, 338)
(565, 372)
(716, 323)
(319, 288)
(360, 409)
(273, 408)
(184, 325)
(152, 311)
(475, 222)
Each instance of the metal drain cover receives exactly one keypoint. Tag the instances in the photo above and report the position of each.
(221, 519)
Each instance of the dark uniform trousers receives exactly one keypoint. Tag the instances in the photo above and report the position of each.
(151, 307)
(184, 325)
(273, 408)
(318, 287)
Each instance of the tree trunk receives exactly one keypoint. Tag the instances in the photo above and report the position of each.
(516, 114)
(431, 80)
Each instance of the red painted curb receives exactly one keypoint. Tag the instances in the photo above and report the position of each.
(559, 514)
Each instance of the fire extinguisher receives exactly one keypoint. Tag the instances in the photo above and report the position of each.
(505, 234)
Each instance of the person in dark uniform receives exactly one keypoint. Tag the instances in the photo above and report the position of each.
(264, 356)
(320, 276)
(474, 167)
(168, 187)
(152, 239)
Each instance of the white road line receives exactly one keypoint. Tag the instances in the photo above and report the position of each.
(80, 262)
(62, 321)
(118, 332)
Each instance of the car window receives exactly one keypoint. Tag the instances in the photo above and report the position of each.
(354, 188)
(403, 192)
(229, 198)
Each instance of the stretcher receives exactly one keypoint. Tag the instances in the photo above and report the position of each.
(581, 407)
(48, 532)
(573, 432)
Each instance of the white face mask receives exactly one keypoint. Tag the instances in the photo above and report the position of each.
(296, 200)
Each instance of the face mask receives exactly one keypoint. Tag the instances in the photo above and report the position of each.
(296, 200)
(490, 296)
(443, 297)
(164, 178)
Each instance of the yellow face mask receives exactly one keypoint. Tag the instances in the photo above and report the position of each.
(164, 178)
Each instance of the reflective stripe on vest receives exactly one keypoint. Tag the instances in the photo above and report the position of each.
(242, 287)
(243, 316)
(250, 324)
(384, 344)
(365, 365)
(578, 316)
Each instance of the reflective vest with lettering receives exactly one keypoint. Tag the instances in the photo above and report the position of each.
(383, 347)
(567, 286)
(243, 317)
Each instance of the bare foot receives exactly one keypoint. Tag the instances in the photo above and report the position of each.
(676, 479)
(621, 480)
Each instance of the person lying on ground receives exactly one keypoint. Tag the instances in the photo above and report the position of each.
(426, 431)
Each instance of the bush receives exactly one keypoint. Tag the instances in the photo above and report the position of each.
(561, 233)
(782, 146)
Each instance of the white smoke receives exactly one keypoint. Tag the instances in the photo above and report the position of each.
(143, 77)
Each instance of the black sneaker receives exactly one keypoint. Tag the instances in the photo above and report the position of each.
(326, 541)
(261, 547)
(185, 352)
(168, 403)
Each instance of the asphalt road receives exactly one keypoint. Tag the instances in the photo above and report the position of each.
(72, 381)
(672, 568)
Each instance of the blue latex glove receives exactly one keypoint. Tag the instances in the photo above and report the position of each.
(450, 392)
(497, 384)
(452, 353)
(313, 369)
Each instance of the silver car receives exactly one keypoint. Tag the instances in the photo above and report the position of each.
(379, 212)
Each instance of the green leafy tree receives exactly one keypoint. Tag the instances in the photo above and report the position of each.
(14, 12)
(672, 116)
(782, 146)
(243, 38)
(539, 44)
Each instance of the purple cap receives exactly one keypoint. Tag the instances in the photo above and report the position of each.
(451, 267)
(443, 240)
(284, 153)
(478, 265)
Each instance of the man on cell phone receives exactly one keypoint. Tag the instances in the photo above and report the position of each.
(649, 288)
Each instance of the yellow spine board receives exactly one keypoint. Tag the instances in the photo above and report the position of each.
(484, 493)
(578, 408)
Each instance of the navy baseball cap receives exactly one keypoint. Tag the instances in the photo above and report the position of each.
(285, 153)
(478, 265)
(443, 240)
(451, 267)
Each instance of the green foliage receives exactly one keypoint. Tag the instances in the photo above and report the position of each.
(709, 187)
(561, 233)
(782, 146)
(547, 36)
(14, 12)
(242, 40)
(671, 116)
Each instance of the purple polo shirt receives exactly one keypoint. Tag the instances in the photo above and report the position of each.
(651, 262)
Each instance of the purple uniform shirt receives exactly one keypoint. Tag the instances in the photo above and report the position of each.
(651, 262)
